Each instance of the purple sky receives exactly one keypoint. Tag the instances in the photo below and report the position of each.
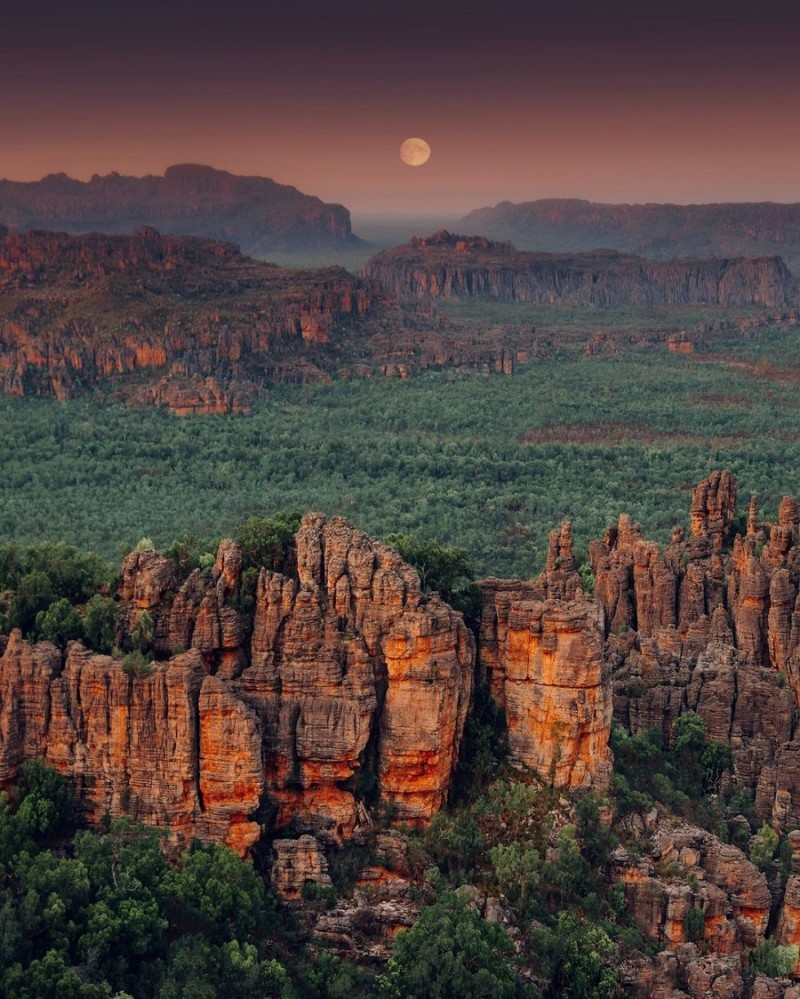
(612, 101)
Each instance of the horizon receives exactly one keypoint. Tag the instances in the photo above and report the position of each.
(678, 103)
(377, 216)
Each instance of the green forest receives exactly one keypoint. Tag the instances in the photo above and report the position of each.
(465, 473)
(104, 914)
(485, 462)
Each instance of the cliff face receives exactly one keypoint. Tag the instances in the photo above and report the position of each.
(712, 627)
(656, 231)
(704, 874)
(189, 199)
(196, 326)
(346, 690)
(540, 650)
(208, 327)
(449, 266)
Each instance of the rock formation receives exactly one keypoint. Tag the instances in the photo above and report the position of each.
(189, 199)
(711, 626)
(197, 327)
(688, 868)
(451, 266)
(347, 690)
(656, 231)
(540, 649)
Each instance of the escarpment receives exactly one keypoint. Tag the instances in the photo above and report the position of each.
(652, 230)
(540, 650)
(302, 702)
(711, 625)
(196, 326)
(345, 690)
(181, 321)
(190, 199)
(451, 266)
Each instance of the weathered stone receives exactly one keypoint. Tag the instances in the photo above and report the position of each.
(544, 664)
(354, 690)
(298, 862)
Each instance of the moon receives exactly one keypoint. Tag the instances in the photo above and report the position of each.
(415, 152)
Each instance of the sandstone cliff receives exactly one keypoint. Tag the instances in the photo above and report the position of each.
(451, 266)
(711, 625)
(189, 199)
(652, 230)
(208, 327)
(540, 649)
(346, 691)
(196, 326)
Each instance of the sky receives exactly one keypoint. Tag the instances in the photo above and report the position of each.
(609, 100)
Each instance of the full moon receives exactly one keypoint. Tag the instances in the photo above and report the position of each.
(415, 152)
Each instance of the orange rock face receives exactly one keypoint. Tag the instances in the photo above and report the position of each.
(131, 746)
(688, 868)
(359, 679)
(543, 660)
(351, 692)
(712, 626)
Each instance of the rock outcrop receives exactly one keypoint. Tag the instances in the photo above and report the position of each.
(652, 230)
(540, 649)
(189, 199)
(175, 749)
(711, 625)
(685, 869)
(451, 266)
(346, 690)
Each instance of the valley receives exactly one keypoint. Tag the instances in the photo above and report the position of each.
(590, 761)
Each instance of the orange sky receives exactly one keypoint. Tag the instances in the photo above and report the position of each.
(600, 99)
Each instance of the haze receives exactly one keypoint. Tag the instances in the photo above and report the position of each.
(613, 101)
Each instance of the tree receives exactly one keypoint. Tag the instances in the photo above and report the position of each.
(51, 975)
(46, 803)
(517, 868)
(443, 569)
(59, 624)
(214, 890)
(450, 953)
(267, 541)
(34, 593)
(141, 636)
(575, 955)
(774, 960)
(100, 623)
(763, 846)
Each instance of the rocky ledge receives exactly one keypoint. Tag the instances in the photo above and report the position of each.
(450, 266)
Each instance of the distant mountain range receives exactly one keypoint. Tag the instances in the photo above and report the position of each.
(651, 230)
(256, 213)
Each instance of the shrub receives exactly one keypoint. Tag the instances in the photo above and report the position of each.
(137, 665)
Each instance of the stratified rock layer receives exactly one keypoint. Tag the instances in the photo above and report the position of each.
(348, 689)
(687, 868)
(180, 321)
(449, 266)
(711, 625)
(175, 749)
(541, 651)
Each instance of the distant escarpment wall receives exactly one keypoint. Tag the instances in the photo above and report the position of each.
(190, 199)
(453, 267)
